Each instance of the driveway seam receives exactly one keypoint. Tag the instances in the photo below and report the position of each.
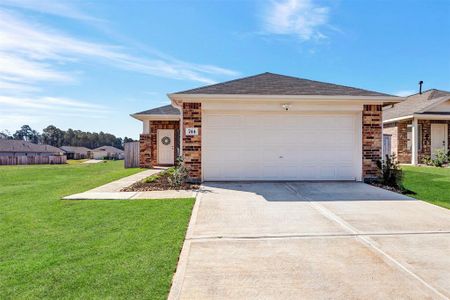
(365, 240)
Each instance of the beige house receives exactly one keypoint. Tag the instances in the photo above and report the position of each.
(417, 127)
(268, 127)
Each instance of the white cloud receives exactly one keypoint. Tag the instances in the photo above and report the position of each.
(50, 103)
(39, 52)
(404, 93)
(302, 18)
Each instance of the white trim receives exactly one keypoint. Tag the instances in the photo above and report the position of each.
(179, 105)
(141, 117)
(415, 142)
(240, 97)
(431, 117)
(398, 119)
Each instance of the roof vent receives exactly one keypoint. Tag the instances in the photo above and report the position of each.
(420, 86)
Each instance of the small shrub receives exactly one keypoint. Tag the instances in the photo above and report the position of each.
(440, 158)
(390, 173)
(179, 175)
(427, 161)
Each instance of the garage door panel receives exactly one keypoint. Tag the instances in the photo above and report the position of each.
(279, 147)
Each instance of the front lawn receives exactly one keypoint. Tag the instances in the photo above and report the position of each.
(429, 183)
(50, 248)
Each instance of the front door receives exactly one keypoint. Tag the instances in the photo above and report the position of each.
(439, 137)
(166, 146)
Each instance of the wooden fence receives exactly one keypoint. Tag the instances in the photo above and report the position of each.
(132, 155)
(32, 160)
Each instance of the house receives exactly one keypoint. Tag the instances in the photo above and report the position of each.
(417, 127)
(268, 127)
(107, 152)
(18, 152)
(74, 152)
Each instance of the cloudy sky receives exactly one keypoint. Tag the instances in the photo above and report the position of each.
(89, 64)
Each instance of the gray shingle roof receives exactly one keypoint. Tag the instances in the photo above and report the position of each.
(276, 84)
(75, 149)
(162, 110)
(416, 103)
(109, 149)
(23, 146)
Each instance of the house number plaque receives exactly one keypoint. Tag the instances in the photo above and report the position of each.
(191, 131)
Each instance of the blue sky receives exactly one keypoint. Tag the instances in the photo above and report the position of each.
(89, 64)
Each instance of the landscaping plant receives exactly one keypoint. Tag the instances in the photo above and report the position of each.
(390, 173)
(179, 175)
(440, 158)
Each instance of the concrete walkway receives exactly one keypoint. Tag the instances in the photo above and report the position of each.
(112, 190)
(316, 240)
(93, 161)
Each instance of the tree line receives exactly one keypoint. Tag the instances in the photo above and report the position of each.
(51, 135)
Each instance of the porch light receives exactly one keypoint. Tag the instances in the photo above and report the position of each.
(286, 106)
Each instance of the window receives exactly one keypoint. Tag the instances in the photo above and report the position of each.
(409, 137)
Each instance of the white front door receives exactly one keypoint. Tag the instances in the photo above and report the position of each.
(439, 137)
(166, 146)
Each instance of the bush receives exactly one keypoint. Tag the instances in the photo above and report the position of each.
(390, 173)
(179, 175)
(440, 158)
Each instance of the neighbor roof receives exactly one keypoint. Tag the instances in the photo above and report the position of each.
(23, 146)
(417, 103)
(75, 149)
(162, 110)
(109, 149)
(276, 84)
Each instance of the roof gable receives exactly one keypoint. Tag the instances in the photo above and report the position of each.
(417, 103)
(276, 84)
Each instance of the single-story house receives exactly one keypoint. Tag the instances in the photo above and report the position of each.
(107, 152)
(75, 152)
(268, 127)
(18, 152)
(418, 126)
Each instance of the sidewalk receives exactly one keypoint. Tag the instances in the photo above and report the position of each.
(111, 191)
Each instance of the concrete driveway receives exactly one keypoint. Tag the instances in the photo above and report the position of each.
(299, 240)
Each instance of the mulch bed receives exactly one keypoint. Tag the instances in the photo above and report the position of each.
(159, 184)
(392, 189)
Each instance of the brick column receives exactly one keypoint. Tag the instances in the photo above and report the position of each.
(404, 155)
(145, 151)
(192, 145)
(426, 140)
(371, 140)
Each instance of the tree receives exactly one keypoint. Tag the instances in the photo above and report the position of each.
(5, 135)
(53, 136)
(27, 134)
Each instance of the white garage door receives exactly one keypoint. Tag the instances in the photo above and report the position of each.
(280, 147)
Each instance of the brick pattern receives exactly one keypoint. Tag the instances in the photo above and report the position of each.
(145, 151)
(404, 155)
(425, 149)
(192, 145)
(371, 140)
(149, 142)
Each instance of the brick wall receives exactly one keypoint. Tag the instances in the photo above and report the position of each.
(192, 145)
(404, 155)
(145, 151)
(371, 140)
(425, 149)
(149, 142)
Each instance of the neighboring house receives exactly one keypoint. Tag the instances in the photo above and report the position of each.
(417, 127)
(74, 152)
(268, 127)
(17, 152)
(107, 152)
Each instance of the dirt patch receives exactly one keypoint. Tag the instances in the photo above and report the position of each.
(160, 183)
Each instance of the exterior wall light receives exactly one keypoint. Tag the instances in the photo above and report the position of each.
(286, 106)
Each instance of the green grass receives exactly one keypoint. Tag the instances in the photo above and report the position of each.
(76, 161)
(55, 249)
(430, 184)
